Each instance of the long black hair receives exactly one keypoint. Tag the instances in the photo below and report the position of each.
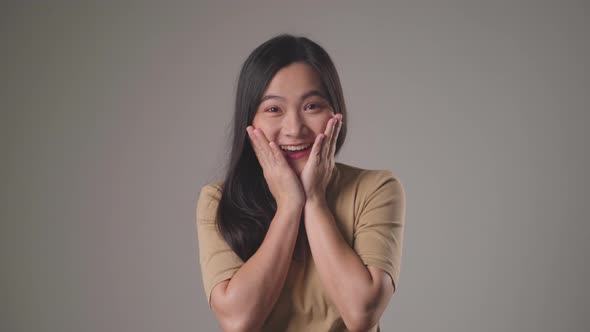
(247, 206)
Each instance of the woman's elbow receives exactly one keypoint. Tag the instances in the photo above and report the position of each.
(364, 316)
(236, 322)
(360, 321)
(230, 317)
(237, 325)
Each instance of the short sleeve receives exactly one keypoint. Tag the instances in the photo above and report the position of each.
(378, 235)
(218, 261)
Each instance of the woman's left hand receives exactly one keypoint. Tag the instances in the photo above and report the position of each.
(318, 169)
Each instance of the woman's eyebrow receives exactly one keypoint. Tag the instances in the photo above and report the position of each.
(303, 97)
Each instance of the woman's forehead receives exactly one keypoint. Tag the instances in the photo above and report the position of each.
(305, 95)
(293, 81)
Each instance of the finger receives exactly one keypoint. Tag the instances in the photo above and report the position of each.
(278, 156)
(252, 138)
(335, 139)
(255, 140)
(272, 152)
(334, 128)
(328, 138)
(316, 151)
(263, 145)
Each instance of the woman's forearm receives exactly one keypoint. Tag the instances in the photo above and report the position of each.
(346, 279)
(255, 287)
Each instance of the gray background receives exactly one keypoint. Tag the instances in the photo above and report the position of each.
(115, 114)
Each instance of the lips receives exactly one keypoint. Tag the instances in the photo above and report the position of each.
(295, 147)
(293, 155)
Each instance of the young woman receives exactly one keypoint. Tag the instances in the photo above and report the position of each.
(292, 240)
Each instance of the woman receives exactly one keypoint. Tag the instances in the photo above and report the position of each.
(292, 240)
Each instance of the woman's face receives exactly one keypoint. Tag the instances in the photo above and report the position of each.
(294, 110)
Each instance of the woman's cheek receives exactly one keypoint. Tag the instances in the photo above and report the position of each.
(269, 134)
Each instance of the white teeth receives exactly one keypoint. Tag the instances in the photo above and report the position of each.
(295, 148)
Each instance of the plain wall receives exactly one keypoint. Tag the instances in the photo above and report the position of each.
(115, 114)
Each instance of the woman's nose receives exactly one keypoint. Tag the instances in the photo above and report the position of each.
(293, 124)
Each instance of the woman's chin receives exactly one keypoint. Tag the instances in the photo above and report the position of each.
(298, 165)
(297, 171)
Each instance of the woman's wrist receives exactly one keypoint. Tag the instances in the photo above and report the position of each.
(316, 201)
(290, 207)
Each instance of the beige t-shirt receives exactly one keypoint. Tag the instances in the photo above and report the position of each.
(369, 207)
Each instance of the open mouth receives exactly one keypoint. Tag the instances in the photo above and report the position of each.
(291, 148)
(296, 154)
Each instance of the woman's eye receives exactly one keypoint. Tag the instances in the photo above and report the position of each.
(272, 109)
(313, 106)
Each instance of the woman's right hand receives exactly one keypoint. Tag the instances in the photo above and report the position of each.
(282, 181)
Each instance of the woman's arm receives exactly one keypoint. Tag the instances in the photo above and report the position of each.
(361, 294)
(244, 302)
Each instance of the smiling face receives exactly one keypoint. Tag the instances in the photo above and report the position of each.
(294, 110)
